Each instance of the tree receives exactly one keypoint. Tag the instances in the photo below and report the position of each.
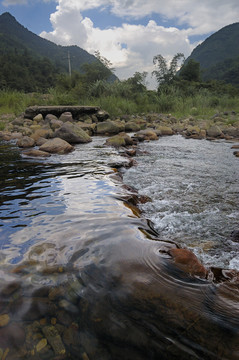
(107, 63)
(138, 81)
(165, 74)
(190, 71)
(101, 69)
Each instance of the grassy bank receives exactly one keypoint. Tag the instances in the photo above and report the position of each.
(203, 104)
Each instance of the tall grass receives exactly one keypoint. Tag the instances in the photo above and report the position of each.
(117, 100)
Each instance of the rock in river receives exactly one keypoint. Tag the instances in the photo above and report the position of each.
(56, 146)
(72, 133)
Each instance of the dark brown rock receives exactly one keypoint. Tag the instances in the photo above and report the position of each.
(188, 262)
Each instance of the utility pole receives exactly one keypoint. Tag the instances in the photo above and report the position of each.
(69, 63)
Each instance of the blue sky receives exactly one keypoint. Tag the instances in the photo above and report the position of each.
(127, 32)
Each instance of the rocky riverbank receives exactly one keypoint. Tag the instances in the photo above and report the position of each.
(46, 130)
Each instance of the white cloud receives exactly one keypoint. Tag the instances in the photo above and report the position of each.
(132, 47)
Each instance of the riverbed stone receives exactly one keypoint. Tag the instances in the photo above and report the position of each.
(66, 116)
(4, 320)
(72, 133)
(26, 142)
(38, 118)
(42, 133)
(147, 134)
(165, 130)
(55, 124)
(119, 140)
(107, 127)
(131, 126)
(236, 153)
(187, 261)
(54, 339)
(56, 146)
(40, 141)
(214, 132)
(41, 344)
(231, 131)
(36, 153)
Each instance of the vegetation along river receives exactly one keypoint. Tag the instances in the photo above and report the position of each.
(84, 276)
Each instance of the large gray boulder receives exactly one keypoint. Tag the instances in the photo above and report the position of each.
(108, 127)
(56, 146)
(214, 131)
(132, 126)
(72, 133)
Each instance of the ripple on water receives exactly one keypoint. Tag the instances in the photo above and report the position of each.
(84, 277)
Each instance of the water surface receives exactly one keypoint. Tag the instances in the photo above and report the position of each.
(84, 277)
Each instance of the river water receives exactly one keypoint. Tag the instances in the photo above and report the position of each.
(83, 276)
(194, 186)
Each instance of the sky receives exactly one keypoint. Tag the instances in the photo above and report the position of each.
(129, 33)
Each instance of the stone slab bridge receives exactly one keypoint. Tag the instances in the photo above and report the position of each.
(76, 111)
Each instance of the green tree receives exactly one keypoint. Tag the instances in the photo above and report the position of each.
(138, 81)
(190, 71)
(165, 74)
(101, 69)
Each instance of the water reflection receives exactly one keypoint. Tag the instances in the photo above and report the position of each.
(86, 278)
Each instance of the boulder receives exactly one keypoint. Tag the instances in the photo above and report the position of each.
(55, 124)
(40, 141)
(26, 142)
(66, 116)
(120, 124)
(107, 127)
(18, 121)
(5, 135)
(119, 140)
(87, 127)
(25, 130)
(187, 261)
(16, 135)
(41, 133)
(214, 132)
(56, 146)
(231, 131)
(50, 117)
(102, 115)
(165, 130)
(131, 126)
(147, 134)
(36, 153)
(38, 118)
(72, 133)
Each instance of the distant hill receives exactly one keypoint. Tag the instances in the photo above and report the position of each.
(18, 44)
(218, 55)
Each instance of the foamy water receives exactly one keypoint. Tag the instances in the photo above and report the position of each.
(194, 187)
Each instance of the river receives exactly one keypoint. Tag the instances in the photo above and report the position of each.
(83, 276)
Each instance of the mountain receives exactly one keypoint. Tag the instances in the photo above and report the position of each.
(218, 55)
(28, 53)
